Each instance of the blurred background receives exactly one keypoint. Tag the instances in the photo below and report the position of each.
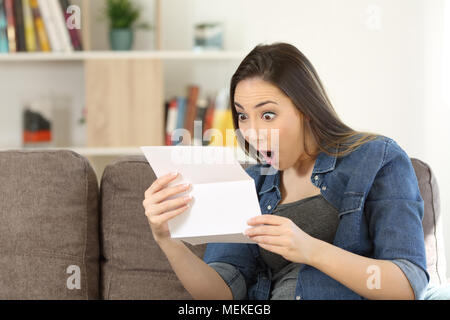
(125, 74)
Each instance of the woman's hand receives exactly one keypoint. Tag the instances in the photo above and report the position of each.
(282, 236)
(159, 210)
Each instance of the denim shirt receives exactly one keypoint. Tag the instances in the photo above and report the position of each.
(376, 192)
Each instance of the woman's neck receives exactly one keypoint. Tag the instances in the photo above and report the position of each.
(295, 183)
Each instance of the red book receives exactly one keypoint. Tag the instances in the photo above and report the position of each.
(74, 34)
(191, 111)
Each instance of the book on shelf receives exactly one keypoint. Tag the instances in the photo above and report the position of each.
(50, 25)
(75, 36)
(171, 120)
(61, 27)
(19, 24)
(223, 121)
(11, 31)
(37, 25)
(30, 34)
(4, 45)
(41, 34)
(209, 115)
(202, 105)
(191, 108)
(212, 112)
(181, 111)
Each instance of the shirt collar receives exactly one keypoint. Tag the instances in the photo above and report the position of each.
(324, 163)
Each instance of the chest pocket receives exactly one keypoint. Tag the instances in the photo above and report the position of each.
(348, 233)
(352, 201)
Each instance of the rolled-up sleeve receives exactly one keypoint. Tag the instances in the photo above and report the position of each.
(233, 278)
(416, 276)
(394, 208)
(236, 263)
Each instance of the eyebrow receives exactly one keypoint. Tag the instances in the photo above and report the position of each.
(258, 105)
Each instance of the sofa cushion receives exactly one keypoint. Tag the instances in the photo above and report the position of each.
(432, 222)
(133, 266)
(49, 226)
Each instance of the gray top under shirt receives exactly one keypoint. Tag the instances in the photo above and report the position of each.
(315, 216)
(318, 218)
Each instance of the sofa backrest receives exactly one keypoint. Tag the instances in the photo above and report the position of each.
(432, 222)
(135, 267)
(49, 226)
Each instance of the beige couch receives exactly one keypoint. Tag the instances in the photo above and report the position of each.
(65, 237)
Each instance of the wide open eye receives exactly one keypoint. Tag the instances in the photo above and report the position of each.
(268, 117)
(239, 117)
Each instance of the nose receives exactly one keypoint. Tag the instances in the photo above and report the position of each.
(257, 137)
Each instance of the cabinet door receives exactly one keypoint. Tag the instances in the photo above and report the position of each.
(124, 102)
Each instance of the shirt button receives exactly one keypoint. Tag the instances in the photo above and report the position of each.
(269, 207)
(324, 188)
(298, 298)
(316, 178)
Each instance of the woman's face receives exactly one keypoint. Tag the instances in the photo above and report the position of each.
(265, 113)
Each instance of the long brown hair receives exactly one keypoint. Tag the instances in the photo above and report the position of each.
(284, 66)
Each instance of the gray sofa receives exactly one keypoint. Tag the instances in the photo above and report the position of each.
(63, 236)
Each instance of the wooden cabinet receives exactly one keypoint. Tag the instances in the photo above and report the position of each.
(125, 102)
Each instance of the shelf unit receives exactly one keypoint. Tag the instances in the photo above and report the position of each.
(124, 91)
(137, 67)
(112, 59)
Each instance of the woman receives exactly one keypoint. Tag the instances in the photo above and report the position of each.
(342, 211)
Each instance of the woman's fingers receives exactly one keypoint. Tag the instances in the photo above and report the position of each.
(165, 206)
(158, 220)
(160, 183)
(264, 230)
(267, 219)
(170, 191)
(270, 232)
(159, 191)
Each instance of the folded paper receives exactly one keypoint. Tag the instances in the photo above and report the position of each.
(224, 195)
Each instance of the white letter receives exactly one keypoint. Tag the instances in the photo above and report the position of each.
(73, 282)
(74, 21)
(374, 281)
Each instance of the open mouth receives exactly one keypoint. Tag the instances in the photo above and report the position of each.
(268, 155)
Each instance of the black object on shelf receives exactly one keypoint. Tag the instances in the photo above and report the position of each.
(36, 128)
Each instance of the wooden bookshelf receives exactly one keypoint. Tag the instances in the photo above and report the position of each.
(124, 90)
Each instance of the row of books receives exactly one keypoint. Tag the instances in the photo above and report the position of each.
(213, 112)
(37, 25)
